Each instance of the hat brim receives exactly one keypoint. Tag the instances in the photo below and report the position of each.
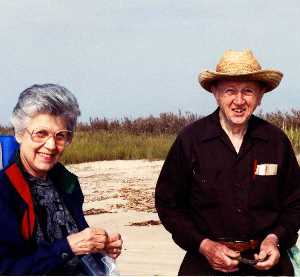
(269, 77)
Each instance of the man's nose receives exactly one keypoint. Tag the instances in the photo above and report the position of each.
(239, 98)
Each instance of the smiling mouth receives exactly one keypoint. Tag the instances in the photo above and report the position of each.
(46, 155)
(239, 110)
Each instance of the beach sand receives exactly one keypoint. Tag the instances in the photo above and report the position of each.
(119, 197)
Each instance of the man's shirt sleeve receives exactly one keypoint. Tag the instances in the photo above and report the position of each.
(289, 219)
(171, 198)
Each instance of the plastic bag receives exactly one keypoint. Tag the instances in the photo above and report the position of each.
(111, 267)
(294, 254)
(99, 265)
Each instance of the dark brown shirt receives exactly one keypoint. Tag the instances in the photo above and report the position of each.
(207, 190)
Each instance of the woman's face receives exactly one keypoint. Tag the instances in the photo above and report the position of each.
(39, 150)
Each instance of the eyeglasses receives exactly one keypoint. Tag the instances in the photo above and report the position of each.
(41, 134)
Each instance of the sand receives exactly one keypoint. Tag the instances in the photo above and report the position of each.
(119, 197)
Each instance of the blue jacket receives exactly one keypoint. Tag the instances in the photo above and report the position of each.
(19, 256)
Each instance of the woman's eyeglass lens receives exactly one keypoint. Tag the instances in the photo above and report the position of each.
(61, 137)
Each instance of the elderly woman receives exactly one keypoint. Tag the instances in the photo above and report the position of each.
(43, 230)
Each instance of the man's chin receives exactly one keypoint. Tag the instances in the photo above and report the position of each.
(239, 121)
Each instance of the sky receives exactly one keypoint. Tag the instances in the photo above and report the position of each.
(142, 57)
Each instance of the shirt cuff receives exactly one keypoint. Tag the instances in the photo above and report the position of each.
(189, 241)
(62, 250)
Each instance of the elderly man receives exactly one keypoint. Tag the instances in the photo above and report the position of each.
(229, 190)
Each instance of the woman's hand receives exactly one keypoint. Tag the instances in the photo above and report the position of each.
(114, 245)
(90, 240)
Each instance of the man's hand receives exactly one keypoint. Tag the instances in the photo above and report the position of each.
(90, 240)
(219, 256)
(114, 245)
(269, 249)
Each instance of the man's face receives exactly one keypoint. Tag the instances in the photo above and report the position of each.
(237, 100)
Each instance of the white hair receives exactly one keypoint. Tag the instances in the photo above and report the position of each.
(47, 98)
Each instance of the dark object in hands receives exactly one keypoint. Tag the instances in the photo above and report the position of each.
(250, 261)
(242, 246)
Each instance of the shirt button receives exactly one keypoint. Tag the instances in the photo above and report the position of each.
(64, 255)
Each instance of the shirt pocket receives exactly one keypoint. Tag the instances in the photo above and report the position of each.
(264, 192)
(204, 190)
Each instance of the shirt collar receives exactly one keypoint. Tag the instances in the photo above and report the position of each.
(66, 180)
(256, 127)
(214, 128)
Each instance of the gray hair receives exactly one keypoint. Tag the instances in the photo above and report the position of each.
(47, 98)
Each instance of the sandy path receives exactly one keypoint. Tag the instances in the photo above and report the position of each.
(118, 195)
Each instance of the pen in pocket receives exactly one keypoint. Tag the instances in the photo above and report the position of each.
(254, 167)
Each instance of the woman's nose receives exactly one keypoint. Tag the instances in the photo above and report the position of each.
(50, 142)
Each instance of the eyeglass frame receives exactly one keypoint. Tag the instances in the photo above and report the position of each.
(50, 134)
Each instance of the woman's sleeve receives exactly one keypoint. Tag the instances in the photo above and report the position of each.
(15, 255)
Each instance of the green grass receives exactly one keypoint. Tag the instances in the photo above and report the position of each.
(102, 145)
(294, 136)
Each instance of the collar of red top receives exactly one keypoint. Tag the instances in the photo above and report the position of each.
(65, 180)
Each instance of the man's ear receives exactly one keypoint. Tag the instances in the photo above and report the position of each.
(262, 92)
(213, 89)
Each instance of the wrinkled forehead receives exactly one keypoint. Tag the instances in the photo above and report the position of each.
(46, 120)
(238, 84)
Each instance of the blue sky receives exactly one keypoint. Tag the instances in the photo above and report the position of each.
(136, 58)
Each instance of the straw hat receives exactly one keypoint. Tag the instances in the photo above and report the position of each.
(240, 65)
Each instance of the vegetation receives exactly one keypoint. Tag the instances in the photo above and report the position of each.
(289, 122)
(147, 138)
(165, 123)
(116, 145)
